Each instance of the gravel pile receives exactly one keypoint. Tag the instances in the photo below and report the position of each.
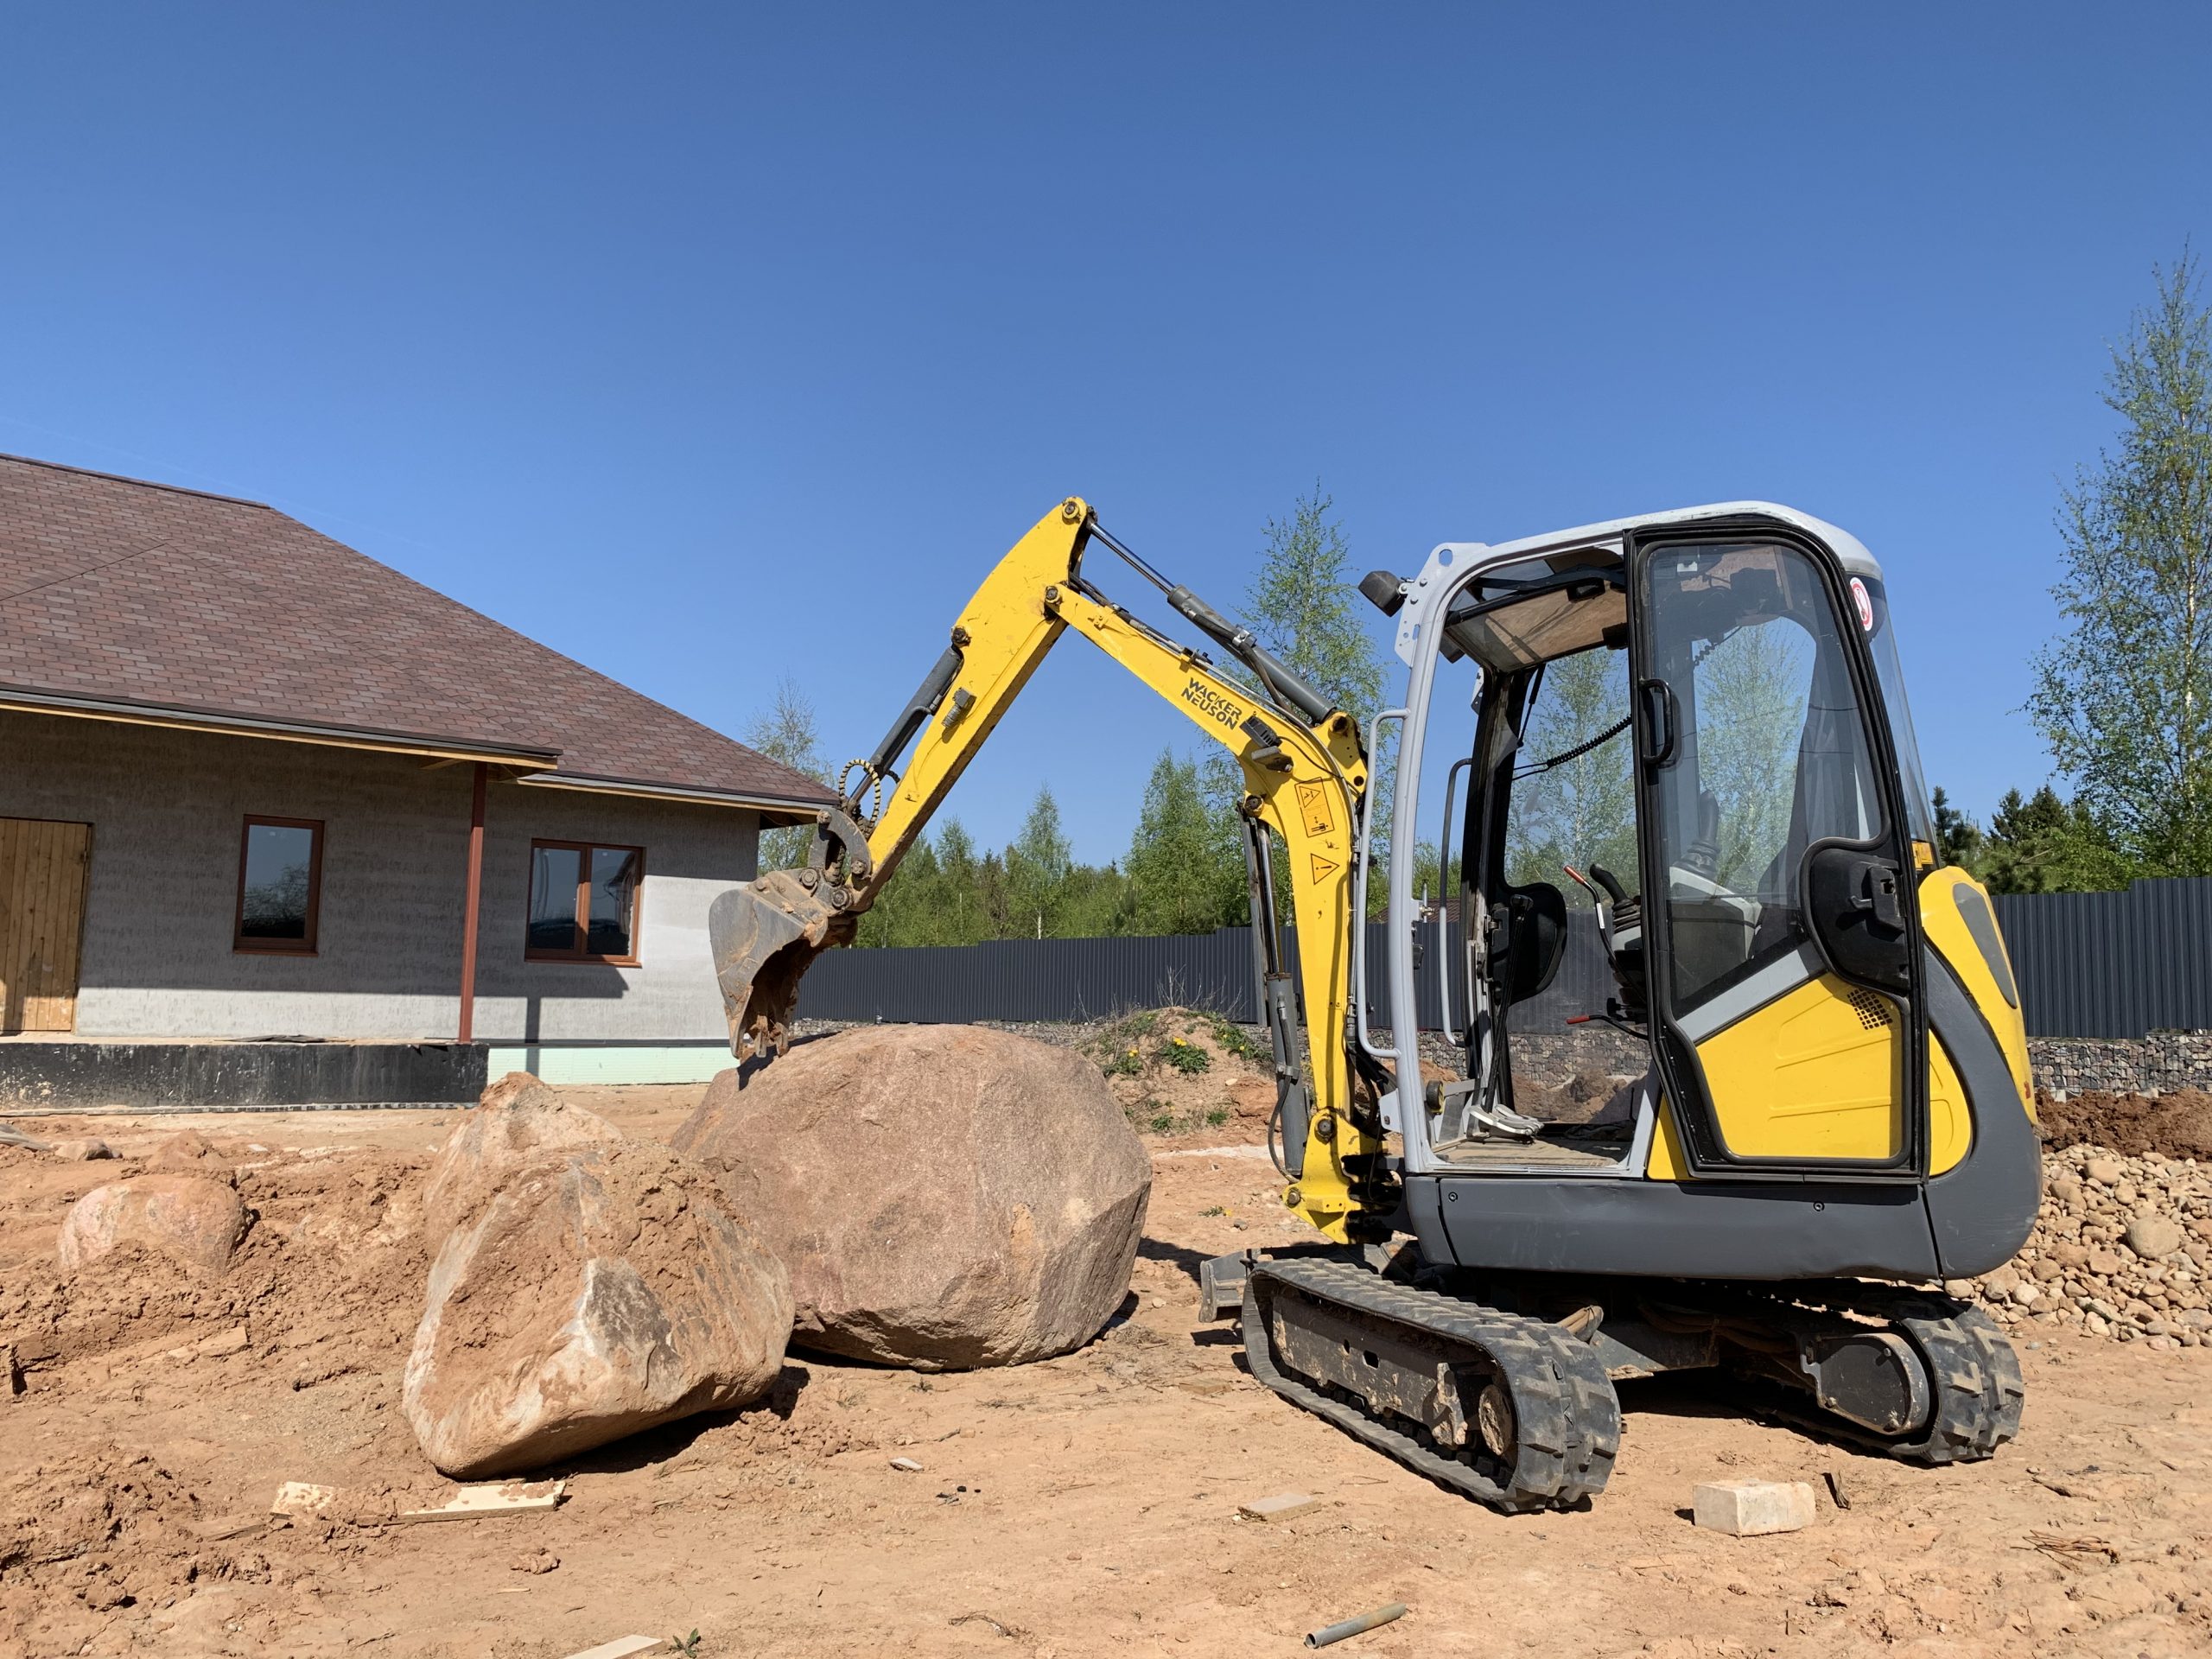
(2123, 1250)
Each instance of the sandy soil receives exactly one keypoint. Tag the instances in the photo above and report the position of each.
(1086, 1506)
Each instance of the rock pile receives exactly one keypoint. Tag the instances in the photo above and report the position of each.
(2123, 1250)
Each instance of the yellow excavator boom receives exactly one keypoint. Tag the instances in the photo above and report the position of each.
(1305, 775)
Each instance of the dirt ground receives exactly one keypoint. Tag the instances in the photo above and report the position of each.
(2177, 1124)
(1085, 1505)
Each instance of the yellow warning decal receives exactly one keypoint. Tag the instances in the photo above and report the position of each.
(1322, 867)
(1313, 807)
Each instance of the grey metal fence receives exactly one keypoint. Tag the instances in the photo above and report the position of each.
(2113, 964)
(2090, 964)
(1085, 979)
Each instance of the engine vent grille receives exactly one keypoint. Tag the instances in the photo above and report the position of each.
(1874, 1012)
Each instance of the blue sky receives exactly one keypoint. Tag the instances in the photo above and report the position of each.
(713, 345)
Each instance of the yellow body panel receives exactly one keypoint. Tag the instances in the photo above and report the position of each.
(1763, 1113)
(1813, 1074)
(1950, 1121)
(1945, 929)
(1669, 1162)
(1305, 786)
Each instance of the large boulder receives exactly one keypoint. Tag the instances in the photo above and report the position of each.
(583, 1286)
(944, 1196)
(189, 1217)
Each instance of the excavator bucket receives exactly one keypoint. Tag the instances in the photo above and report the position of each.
(764, 937)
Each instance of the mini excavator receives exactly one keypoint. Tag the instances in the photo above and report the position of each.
(1833, 1107)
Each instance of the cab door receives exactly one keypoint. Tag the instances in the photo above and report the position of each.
(1781, 941)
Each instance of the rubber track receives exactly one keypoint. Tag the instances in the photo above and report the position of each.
(1569, 1419)
(1975, 1375)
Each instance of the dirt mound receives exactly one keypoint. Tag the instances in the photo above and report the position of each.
(327, 1282)
(2178, 1125)
(1180, 1070)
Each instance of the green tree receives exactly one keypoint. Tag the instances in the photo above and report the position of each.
(1178, 879)
(2124, 695)
(785, 734)
(1305, 609)
(1304, 606)
(1751, 691)
(1581, 812)
(2047, 844)
(1038, 866)
(1959, 839)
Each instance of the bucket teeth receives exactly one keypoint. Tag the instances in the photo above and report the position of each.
(764, 937)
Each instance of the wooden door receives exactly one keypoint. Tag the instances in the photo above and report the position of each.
(43, 870)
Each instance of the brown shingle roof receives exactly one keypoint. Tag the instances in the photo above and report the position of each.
(116, 590)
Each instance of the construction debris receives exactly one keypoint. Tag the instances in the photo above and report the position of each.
(504, 1498)
(1281, 1508)
(1330, 1634)
(622, 1647)
(907, 1466)
(1748, 1509)
(298, 1498)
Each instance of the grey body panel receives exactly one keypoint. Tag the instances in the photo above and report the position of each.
(1983, 1209)
(1699, 1229)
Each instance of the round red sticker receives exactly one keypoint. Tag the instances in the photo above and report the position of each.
(1865, 604)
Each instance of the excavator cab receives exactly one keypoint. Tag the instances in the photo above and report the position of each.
(1688, 837)
(1706, 957)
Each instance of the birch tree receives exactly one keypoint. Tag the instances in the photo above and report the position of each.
(2124, 695)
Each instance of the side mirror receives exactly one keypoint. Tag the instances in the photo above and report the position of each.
(1385, 591)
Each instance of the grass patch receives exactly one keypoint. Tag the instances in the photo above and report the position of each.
(1185, 1056)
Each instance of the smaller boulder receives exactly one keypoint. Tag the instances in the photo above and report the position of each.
(87, 1150)
(584, 1286)
(2152, 1237)
(189, 1217)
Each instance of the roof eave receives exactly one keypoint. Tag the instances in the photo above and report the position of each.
(773, 809)
(178, 716)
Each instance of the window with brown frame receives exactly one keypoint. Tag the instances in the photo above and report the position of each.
(280, 886)
(583, 902)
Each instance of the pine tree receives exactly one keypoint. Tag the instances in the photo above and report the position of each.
(1959, 839)
(2047, 844)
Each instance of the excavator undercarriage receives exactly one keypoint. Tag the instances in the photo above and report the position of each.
(1502, 1388)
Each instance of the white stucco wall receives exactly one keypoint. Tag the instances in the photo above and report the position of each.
(167, 809)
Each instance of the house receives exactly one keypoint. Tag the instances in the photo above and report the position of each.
(279, 824)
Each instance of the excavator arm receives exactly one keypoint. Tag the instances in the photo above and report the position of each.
(1303, 773)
